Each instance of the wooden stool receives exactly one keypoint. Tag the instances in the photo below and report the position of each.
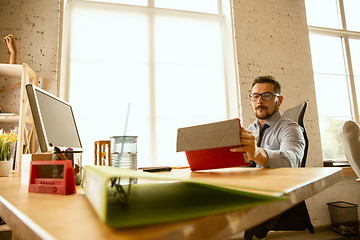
(102, 151)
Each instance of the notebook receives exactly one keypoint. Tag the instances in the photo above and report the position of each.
(208, 146)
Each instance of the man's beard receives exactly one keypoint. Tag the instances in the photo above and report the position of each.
(267, 114)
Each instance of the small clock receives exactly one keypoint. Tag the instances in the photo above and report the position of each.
(56, 177)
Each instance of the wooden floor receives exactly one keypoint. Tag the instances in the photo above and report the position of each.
(5, 232)
(320, 234)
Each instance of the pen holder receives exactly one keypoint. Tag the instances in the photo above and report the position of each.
(76, 160)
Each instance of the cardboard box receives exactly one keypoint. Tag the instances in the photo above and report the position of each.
(208, 146)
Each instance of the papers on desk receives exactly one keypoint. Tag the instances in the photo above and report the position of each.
(151, 203)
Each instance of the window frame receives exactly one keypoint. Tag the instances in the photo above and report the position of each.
(224, 18)
(344, 35)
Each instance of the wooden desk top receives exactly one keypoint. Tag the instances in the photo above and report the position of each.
(48, 216)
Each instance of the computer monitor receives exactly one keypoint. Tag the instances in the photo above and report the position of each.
(54, 121)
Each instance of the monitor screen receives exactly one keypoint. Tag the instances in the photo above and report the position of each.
(53, 119)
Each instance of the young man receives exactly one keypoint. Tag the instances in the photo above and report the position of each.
(273, 141)
(282, 143)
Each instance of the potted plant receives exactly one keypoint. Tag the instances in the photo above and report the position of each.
(7, 146)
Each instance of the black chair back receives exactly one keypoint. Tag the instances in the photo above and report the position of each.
(297, 217)
(297, 114)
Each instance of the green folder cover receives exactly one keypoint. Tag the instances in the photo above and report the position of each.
(152, 203)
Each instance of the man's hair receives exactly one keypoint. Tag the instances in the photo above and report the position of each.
(267, 79)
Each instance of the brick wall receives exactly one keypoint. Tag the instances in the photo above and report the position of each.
(271, 37)
(36, 25)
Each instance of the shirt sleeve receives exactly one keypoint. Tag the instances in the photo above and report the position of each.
(292, 145)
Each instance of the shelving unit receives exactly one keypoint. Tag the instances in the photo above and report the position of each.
(22, 119)
(5, 232)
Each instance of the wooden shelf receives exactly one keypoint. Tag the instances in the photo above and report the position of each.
(9, 118)
(16, 70)
(13, 118)
(24, 122)
(11, 70)
(4, 227)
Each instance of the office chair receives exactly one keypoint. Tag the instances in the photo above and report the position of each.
(297, 114)
(297, 217)
(349, 134)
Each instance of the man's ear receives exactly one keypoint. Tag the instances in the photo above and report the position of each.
(280, 99)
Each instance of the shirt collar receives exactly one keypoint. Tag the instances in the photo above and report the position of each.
(271, 121)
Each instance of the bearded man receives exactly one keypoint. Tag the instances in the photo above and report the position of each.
(273, 141)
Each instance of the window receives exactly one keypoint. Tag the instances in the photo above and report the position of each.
(335, 46)
(163, 65)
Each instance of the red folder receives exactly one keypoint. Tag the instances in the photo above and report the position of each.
(215, 158)
(208, 146)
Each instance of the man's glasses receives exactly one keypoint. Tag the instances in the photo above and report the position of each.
(266, 96)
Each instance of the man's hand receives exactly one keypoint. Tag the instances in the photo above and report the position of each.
(248, 145)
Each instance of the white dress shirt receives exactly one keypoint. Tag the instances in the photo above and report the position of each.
(283, 141)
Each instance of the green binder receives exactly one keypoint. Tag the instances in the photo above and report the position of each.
(151, 203)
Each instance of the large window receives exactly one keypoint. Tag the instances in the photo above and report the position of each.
(335, 47)
(161, 63)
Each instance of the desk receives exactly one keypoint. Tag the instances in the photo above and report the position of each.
(48, 216)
